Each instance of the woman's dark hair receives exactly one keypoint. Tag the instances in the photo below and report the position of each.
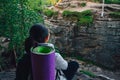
(38, 33)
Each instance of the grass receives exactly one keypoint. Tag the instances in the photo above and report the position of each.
(83, 18)
(115, 14)
(108, 1)
(49, 13)
(86, 20)
(83, 4)
(112, 1)
(69, 14)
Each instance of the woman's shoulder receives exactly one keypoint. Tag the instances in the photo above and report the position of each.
(57, 54)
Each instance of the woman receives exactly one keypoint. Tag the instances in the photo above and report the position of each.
(40, 34)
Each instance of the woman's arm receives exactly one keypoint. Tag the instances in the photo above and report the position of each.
(60, 62)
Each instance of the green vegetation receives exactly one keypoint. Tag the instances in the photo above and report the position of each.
(49, 2)
(83, 18)
(35, 4)
(95, 1)
(69, 14)
(83, 4)
(107, 1)
(50, 13)
(112, 1)
(115, 14)
(86, 20)
(86, 13)
(16, 17)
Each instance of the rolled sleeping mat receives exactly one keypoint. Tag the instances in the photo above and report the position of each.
(43, 62)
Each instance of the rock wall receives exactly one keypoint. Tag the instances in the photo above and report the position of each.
(105, 40)
(99, 42)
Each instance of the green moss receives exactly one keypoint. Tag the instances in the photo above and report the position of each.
(67, 13)
(115, 14)
(108, 1)
(49, 13)
(112, 1)
(83, 18)
(83, 4)
(76, 14)
(86, 13)
(86, 20)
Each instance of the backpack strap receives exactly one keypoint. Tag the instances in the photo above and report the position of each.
(58, 73)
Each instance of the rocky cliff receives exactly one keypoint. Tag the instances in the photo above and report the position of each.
(99, 42)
